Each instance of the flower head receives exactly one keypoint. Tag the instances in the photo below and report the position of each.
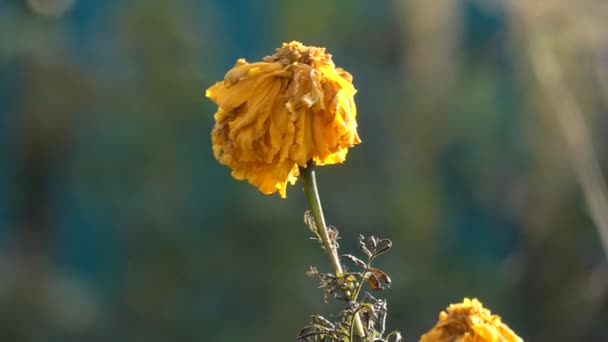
(278, 114)
(469, 321)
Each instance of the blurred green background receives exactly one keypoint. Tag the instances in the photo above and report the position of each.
(480, 121)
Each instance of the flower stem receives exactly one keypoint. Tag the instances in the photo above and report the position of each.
(309, 183)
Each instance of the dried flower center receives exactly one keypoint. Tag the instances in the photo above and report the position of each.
(295, 52)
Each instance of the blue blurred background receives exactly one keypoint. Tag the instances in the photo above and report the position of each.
(117, 224)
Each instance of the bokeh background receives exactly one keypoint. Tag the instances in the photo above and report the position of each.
(485, 133)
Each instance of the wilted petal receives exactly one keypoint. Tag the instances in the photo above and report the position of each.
(278, 114)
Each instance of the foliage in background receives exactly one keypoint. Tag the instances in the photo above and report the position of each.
(116, 223)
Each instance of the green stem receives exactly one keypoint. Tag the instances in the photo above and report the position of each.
(309, 183)
(356, 295)
(360, 287)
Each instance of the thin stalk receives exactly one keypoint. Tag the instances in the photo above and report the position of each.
(577, 135)
(360, 287)
(309, 183)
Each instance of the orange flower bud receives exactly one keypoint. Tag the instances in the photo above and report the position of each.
(469, 321)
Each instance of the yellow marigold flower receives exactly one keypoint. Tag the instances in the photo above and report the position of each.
(278, 114)
(469, 321)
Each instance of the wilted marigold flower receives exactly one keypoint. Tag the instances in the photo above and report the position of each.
(273, 116)
(469, 321)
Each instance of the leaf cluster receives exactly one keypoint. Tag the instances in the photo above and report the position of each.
(348, 287)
